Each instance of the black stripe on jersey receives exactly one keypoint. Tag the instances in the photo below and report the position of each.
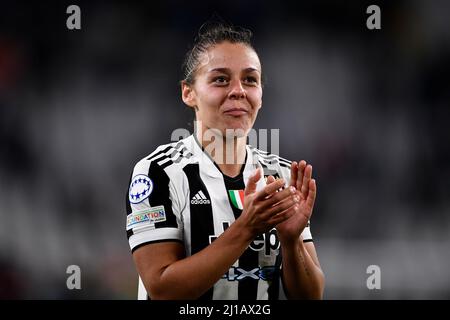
(160, 195)
(275, 160)
(128, 207)
(166, 164)
(202, 224)
(308, 240)
(154, 155)
(273, 163)
(282, 164)
(129, 233)
(155, 241)
(267, 155)
(247, 287)
(173, 157)
(272, 158)
(165, 150)
(127, 200)
(177, 156)
(274, 287)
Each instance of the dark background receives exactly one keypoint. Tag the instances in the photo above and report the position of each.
(368, 108)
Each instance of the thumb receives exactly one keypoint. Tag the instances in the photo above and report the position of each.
(251, 184)
(270, 179)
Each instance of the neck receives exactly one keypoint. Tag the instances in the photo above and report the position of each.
(227, 152)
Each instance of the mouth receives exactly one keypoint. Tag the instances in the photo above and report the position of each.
(235, 112)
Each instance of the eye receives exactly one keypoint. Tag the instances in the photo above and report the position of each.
(220, 80)
(251, 79)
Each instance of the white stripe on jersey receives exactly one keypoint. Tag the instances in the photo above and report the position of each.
(142, 293)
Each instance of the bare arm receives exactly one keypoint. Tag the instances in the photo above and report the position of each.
(302, 275)
(164, 268)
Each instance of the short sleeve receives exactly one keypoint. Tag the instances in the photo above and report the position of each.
(306, 234)
(153, 210)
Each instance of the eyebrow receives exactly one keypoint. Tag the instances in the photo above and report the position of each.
(224, 70)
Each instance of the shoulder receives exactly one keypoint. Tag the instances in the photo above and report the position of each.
(164, 158)
(159, 171)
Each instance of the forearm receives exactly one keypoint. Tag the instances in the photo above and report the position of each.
(302, 278)
(191, 277)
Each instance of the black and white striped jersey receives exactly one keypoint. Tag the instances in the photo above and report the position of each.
(178, 193)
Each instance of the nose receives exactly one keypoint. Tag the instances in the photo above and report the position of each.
(237, 92)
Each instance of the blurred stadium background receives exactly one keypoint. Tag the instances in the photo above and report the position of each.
(369, 110)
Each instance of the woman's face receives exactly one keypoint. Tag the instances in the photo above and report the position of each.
(227, 92)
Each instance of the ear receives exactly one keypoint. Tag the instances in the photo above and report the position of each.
(188, 95)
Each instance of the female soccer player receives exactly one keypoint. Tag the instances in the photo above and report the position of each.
(202, 221)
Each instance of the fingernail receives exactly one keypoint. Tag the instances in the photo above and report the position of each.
(292, 188)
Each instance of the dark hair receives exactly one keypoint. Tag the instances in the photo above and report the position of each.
(210, 34)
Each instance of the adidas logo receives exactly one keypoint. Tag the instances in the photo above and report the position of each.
(200, 198)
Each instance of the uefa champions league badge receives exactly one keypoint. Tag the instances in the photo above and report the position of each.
(141, 187)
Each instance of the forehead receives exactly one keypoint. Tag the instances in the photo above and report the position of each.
(234, 56)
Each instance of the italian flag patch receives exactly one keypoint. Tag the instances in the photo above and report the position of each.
(237, 198)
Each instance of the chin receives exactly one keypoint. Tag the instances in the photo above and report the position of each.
(236, 131)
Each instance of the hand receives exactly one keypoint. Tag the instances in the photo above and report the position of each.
(301, 174)
(266, 208)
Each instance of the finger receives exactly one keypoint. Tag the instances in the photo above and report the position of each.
(252, 181)
(312, 193)
(277, 197)
(284, 215)
(294, 172)
(300, 173)
(269, 180)
(281, 206)
(306, 180)
(269, 189)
